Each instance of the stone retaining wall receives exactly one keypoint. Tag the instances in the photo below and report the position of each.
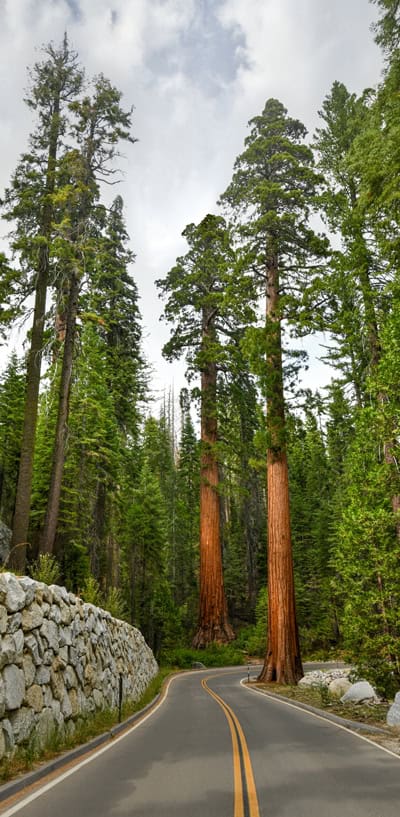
(61, 658)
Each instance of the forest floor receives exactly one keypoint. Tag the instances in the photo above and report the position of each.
(373, 715)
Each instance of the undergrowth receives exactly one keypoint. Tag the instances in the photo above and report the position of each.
(319, 697)
(216, 655)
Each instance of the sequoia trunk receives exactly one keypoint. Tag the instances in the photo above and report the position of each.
(53, 503)
(213, 624)
(282, 661)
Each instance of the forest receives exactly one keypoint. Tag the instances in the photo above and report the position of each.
(164, 518)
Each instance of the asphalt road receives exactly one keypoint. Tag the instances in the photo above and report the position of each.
(215, 749)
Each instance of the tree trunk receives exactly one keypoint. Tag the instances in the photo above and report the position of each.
(213, 626)
(282, 661)
(25, 474)
(53, 503)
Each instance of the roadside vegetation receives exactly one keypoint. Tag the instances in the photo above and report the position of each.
(373, 714)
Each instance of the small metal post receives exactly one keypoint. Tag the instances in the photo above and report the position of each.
(248, 673)
(121, 678)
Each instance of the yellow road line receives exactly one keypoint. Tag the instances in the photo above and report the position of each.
(238, 743)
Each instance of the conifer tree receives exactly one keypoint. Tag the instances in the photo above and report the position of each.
(272, 188)
(112, 301)
(201, 307)
(100, 124)
(352, 288)
(187, 516)
(56, 81)
(12, 393)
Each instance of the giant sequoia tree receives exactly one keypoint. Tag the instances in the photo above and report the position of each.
(200, 304)
(270, 195)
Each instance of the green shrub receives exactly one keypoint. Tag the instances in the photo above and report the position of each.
(46, 569)
(91, 592)
(216, 655)
(115, 603)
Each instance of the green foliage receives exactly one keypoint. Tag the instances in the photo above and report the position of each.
(216, 655)
(388, 26)
(206, 299)
(91, 592)
(45, 569)
(253, 638)
(115, 603)
(365, 559)
(12, 394)
(76, 566)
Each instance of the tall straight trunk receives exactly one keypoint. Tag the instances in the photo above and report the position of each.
(25, 474)
(213, 623)
(53, 502)
(282, 661)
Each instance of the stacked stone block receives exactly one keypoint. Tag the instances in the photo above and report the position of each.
(60, 659)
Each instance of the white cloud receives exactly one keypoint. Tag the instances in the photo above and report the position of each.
(196, 71)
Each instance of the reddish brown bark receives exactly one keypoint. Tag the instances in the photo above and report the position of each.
(213, 626)
(282, 661)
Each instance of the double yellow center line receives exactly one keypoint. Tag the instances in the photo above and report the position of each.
(245, 794)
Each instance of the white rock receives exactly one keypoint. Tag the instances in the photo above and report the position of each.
(29, 586)
(14, 686)
(15, 595)
(42, 675)
(55, 614)
(361, 691)
(34, 698)
(2, 698)
(22, 723)
(66, 707)
(32, 617)
(59, 593)
(3, 619)
(70, 678)
(8, 652)
(393, 715)
(32, 645)
(49, 631)
(14, 623)
(19, 642)
(29, 669)
(44, 727)
(65, 612)
(339, 687)
(2, 744)
(8, 735)
(312, 679)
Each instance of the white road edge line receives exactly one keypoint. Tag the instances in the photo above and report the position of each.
(25, 802)
(272, 697)
(43, 789)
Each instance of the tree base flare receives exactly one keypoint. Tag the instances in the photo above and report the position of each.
(217, 634)
(287, 673)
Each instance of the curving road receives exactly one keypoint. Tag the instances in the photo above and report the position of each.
(215, 749)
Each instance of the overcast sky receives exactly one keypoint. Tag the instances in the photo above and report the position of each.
(196, 72)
